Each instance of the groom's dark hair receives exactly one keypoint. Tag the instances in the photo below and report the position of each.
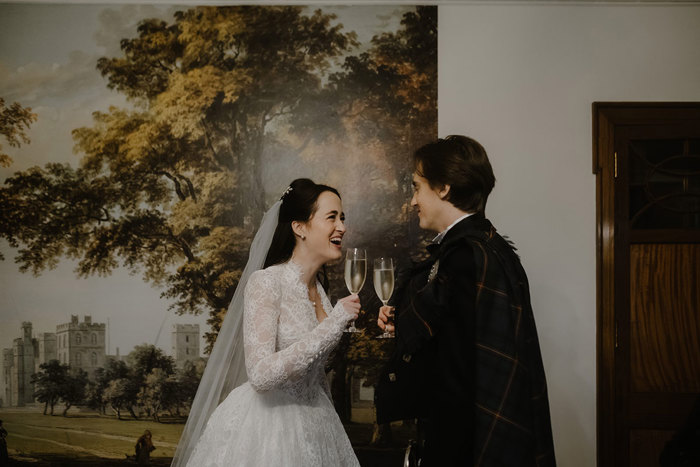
(462, 163)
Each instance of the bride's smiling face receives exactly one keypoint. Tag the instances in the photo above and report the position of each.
(324, 231)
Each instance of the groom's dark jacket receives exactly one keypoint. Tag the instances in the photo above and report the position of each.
(467, 359)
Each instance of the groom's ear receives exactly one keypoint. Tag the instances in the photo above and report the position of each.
(444, 191)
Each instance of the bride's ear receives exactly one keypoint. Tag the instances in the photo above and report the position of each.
(299, 229)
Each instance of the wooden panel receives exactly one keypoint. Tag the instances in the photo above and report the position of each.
(603, 167)
(665, 317)
(646, 446)
(665, 236)
(667, 411)
(648, 113)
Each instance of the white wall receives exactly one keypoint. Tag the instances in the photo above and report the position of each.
(521, 79)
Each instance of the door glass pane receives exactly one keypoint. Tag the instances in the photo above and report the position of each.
(664, 184)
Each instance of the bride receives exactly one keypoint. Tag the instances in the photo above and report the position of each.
(280, 410)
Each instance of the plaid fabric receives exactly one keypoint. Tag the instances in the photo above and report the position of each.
(472, 317)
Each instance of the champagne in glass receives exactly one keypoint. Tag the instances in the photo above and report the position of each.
(355, 273)
(384, 283)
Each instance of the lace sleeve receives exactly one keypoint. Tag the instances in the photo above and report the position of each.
(266, 368)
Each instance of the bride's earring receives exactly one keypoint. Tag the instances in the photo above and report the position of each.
(297, 228)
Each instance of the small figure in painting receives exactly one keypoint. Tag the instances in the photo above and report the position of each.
(144, 446)
(4, 457)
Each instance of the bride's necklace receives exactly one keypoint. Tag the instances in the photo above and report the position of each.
(317, 306)
(313, 300)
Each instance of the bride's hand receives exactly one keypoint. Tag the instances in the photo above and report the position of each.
(351, 305)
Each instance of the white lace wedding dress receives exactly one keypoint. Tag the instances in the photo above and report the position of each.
(283, 415)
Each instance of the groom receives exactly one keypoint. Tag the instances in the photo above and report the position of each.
(467, 362)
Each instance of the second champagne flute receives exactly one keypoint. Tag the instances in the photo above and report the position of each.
(384, 284)
(355, 273)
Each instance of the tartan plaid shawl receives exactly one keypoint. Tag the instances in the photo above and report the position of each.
(467, 347)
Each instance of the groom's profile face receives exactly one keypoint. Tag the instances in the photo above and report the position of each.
(427, 203)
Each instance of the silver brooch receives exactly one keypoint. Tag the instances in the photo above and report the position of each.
(433, 271)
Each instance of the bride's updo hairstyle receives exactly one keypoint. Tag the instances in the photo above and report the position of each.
(299, 203)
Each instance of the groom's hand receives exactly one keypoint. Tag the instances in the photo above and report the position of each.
(385, 321)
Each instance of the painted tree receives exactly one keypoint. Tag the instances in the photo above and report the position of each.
(121, 394)
(172, 187)
(112, 370)
(73, 390)
(48, 383)
(15, 120)
(188, 378)
(159, 393)
(145, 358)
(150, 371)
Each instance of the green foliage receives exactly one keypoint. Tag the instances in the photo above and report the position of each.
(153, 374)
(158, 393)
(147, 383)
(121, 394)
(49, 383)
(188, 378)
(145, 358)
(95, 392)
(113, 369)
(54, 382)
(14, 122)
(73, 390)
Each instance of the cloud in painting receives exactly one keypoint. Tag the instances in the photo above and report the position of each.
(388, 21)
(64, 96)
(50, 83)
(120, 23)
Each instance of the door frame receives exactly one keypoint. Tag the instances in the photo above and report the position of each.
(606, 116)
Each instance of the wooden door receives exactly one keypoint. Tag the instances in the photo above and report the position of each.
(647, 162)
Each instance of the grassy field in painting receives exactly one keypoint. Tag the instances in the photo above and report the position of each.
(84, 435)
(88, 439)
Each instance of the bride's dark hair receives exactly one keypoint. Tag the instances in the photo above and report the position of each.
(299, 203)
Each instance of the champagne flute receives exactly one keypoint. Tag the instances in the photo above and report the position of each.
(384, 284)
(355, 272)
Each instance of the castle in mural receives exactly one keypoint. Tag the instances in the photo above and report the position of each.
(80, 345)
(185, 340)
(19, 363)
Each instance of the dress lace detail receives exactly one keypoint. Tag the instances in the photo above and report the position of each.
(284, 414)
